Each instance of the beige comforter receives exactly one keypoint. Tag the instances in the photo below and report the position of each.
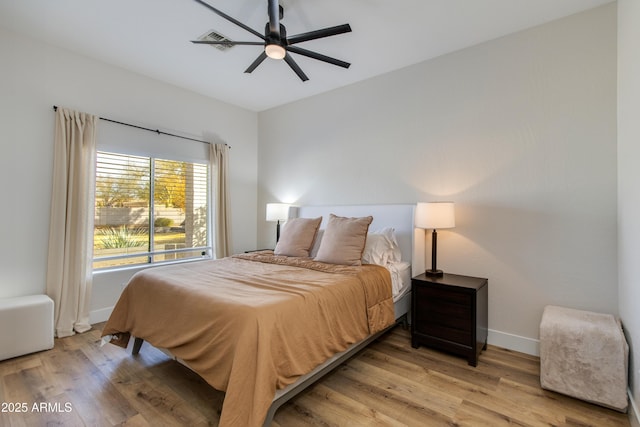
(253, 323)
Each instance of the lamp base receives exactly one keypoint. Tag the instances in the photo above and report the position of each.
(434, 273)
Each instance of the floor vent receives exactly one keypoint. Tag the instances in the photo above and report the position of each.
(214, 36)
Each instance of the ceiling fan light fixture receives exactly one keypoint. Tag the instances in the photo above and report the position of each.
(275, 42)
(275, 51)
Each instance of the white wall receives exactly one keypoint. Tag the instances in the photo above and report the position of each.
(629, 185)
(520, 132)
(35, 76)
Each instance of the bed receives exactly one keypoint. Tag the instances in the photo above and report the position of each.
(262, 326)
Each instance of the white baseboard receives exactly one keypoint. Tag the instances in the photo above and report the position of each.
(634, 418)
(514, 342)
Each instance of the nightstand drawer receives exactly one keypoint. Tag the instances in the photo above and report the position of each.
(449, 333)
(461, 321)
(452, 304)
(444, 295)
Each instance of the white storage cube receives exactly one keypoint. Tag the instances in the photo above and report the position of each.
(26, 325)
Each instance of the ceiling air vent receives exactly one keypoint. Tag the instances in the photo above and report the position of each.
(214, 36)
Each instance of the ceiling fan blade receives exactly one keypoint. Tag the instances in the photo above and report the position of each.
(318, 34)
(230, 19)
(294, 66)
(318, 56)
(229, 42)
(257, 62)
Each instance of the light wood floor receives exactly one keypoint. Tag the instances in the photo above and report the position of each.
(387, 384)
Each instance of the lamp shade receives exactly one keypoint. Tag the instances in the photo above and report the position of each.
(435, 215)
(277, 211)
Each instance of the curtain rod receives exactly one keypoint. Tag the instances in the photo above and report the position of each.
(158, 131)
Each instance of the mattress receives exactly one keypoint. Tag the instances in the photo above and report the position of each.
(400, 278)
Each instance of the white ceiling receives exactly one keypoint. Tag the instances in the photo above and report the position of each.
(151, 37)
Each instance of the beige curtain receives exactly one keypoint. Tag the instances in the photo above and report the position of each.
(71, 228)
(219, 158)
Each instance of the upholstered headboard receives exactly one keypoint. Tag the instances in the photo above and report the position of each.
(400, 217)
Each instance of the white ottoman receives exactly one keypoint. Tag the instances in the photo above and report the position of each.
(26, 325)
(584, 355)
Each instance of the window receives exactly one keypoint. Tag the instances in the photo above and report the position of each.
(149, 210)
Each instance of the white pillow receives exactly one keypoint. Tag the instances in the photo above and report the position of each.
(381, 247)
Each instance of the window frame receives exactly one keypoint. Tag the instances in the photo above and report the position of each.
(206, 252)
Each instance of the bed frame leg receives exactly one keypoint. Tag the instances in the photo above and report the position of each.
(137, 343)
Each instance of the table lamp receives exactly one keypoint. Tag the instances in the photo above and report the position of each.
(277, 212)
(435, 215)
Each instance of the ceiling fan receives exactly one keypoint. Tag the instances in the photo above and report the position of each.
(276, 43)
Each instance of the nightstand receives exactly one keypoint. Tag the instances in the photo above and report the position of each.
(450, 313)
